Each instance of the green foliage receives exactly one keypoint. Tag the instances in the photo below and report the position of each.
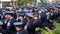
(8, 5)
(21, 2)
(55, 31)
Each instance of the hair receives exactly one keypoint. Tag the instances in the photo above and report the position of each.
(19, 26)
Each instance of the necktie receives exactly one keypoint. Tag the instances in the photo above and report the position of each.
(17, 17)
(39, 16)
(34, 21)
(6, 21)
(26, 26)
(48, 17)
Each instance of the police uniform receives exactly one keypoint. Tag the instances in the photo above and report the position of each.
(1, 30)
(45, 20)
(58, 17)
(20, 25)
(0, 11)
(8, 23)
(29, 26)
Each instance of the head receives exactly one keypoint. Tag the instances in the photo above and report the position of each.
(18, 28)
(39, 11)
(9, 16)
(20, 17)
(3, 13)
(59, 8)
(28, 18)
(30, 10)
(55, 8)
(35, 17)
(47, 13)
(52, 9)
(6, 16)
(17, 13)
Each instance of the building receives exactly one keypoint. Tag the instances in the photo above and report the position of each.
(7, 3)
(58, 1)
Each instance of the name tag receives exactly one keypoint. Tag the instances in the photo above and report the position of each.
(8, 24)
(25, 27)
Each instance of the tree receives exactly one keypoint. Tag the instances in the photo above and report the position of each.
(41, 1)
(21, 2)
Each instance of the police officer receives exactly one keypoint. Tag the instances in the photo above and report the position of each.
(58, 19)
(19, 28)
(44, 21)
(21, 19)
(8, 23)
(36, 23)
(3, 14)
(1, 11)
(1, 30)
(50, 24)
(39, 13)
(29, 26)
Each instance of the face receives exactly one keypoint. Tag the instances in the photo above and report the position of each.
(27, 18)
(9, 16)
(56, 8)
(51, 10)
(17, 28)
(47, 13)
(17, 13)
(3, 12)
(35, 17)
(20, 18)
(30, 10)
(5, 16)
(39, 12)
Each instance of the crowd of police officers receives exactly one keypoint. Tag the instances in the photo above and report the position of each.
(25, 19)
